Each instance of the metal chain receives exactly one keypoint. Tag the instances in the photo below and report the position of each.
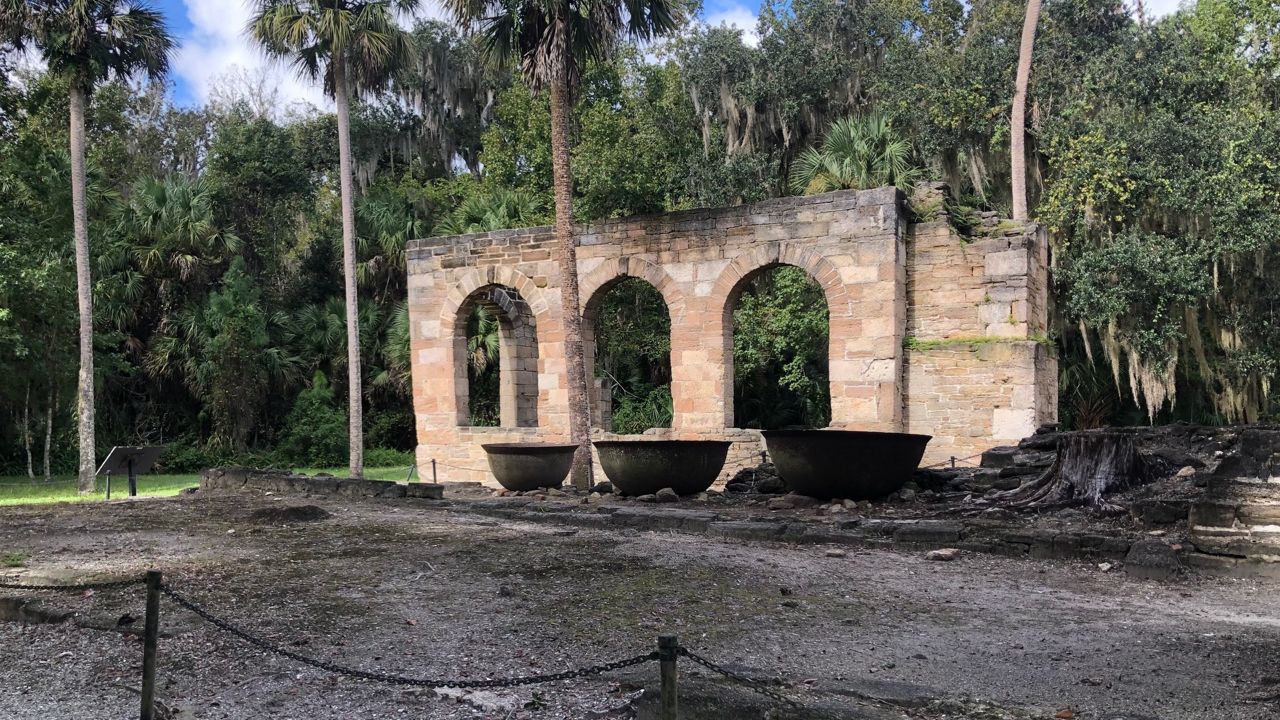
(753, 685)
(401, 679)
(944, 463)
(113, 585)
(457, 467)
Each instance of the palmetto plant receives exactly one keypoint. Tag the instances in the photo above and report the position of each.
(483, 340)
(170, 230)
(551, 41)
(87, 42)
(166, 248)
(223, 352)
(857, 153)
(495, 210)
(352, 46)
(386, 224)
(394, 375)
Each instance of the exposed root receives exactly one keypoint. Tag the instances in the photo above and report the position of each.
(1088, 465)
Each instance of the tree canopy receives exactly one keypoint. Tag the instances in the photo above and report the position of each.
(1152, 161)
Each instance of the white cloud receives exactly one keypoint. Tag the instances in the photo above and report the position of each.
(218, 46)
(736, 16)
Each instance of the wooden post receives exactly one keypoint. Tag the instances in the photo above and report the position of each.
(152, 633)
(667, 645)
(434, 481)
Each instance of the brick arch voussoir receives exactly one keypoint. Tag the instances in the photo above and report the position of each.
(815, 265)
(633, 267)
(467, 285)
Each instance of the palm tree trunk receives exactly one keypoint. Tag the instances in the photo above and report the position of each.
(84, 291)
(355, 390)
(567, 254)
(1018, 121)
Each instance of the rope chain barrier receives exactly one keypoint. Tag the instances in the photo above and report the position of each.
(389, 678)
(402, 679)
(79, 587)
(952, 461)
(752, 685)
(443, 464)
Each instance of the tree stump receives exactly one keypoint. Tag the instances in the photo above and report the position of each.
(1088, 465)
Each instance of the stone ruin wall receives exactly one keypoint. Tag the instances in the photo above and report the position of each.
(930, 332)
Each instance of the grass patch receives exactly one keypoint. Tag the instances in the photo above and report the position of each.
(18, 490)
(15, 559)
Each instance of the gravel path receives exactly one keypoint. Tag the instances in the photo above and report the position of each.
(413, 589)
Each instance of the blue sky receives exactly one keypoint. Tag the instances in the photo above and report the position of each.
(212, 45)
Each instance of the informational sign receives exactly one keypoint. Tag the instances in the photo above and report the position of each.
(132, 460)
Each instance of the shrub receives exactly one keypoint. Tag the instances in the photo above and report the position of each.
(315, 432)
(392, 428)
(379, 457)
(186, 455)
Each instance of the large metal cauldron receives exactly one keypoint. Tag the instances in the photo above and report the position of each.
(845, 463)
(642, 467)
(529, 466)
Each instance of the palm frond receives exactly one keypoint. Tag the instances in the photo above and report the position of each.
(857, 153)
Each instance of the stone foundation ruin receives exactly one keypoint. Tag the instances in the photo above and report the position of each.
(930, 331)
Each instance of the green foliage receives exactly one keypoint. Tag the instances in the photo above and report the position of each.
(1163, 207)
(780, 330)
(554, 43)
(361, 37)
(633, 354)
(381, 457)
(641, 409)
(483, 375)
(90, 41)
(315, 432)
(14, 559)
(495, 209)
(215, 230)
(858, 153)
(390, 429)
(222, 351)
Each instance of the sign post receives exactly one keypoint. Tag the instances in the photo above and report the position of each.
(132, 460)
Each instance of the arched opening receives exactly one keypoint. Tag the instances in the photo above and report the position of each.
(779, 349)
(496, 356)
(627, 333)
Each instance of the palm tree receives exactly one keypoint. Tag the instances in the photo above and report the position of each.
(858, 153)
(1018, 120)
(354, 45)
(87, 42)
(552, 40)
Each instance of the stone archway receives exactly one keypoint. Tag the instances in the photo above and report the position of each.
(929, 332)
(841, 322)
(517, 356)
(596, 285)
(516, 302)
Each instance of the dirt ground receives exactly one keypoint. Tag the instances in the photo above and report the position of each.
(408, 587)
